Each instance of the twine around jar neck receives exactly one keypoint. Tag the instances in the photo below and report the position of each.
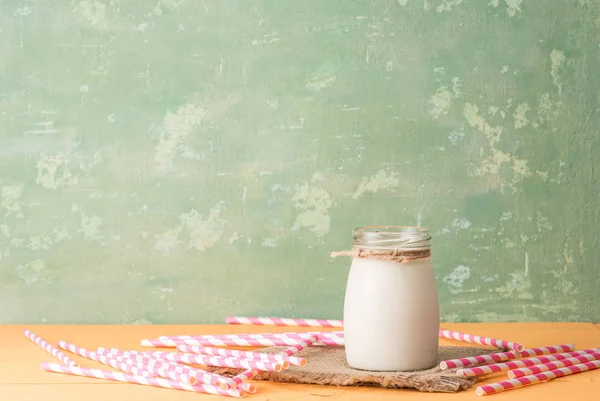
(393, 255)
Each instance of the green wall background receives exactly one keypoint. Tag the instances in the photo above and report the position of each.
(181, 160)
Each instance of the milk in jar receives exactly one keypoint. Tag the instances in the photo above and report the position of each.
(391, 309)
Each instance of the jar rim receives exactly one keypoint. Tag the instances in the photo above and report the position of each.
(392, 237)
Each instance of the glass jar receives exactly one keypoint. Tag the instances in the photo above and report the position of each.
(391, 308)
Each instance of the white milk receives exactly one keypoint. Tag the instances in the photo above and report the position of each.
(391, 315)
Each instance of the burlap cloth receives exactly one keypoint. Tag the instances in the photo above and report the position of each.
(327, 366)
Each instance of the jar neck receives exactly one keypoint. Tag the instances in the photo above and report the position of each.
(403, 238)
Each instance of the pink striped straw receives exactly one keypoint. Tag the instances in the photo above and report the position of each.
(162, 363)
(164, 370)
(511, 384)
(521, 363)
(237, 342)
(469, 338)
(147, 381)
(278, 321)
(219, 361)
(320, 334)
(504, 356)
(294, 349)
(40, 342)
(247, 387)
(250, 373)
(514, 374)
(93, 356)
(198, 349)
(245, 375)
(478, 360)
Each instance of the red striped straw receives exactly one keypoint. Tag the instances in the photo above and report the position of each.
(219, 361)
(147, 381)
(514, 374)
(198, 349)
(504, 356)
(164, 364)
(521, 363)
(43, 344)
(536, 378)
(237, 342)
(278, 321)
(478, 360)
(469, 338)
(93, 356)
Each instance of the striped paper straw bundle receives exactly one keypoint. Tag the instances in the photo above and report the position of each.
(469, 338)
(147, 381)
(522, 363)
(198, 349)
(551, 349)
(220, 361)
(40, 342)
(513, 374)
(161, 369)
(278, 321)
(536, 378)
(250, 373)
(172, 369)
(93, 356)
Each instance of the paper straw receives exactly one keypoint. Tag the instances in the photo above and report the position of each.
(536, 378)
(469, 338)
(247, 387)
(147, 381)
(521, 363)
(198, 349)
(43, 344)
(245, 375)
(478, 360)
(294, 349)
(504, 356)
(93, 356)
(320, 334)
(237, 342)
(277, 321)
(514, 374)
(117, 351)
(161, 369)
(219, 361)
(150, 363)
(250, 373)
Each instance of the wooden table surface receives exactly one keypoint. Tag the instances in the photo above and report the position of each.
(22, 380)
